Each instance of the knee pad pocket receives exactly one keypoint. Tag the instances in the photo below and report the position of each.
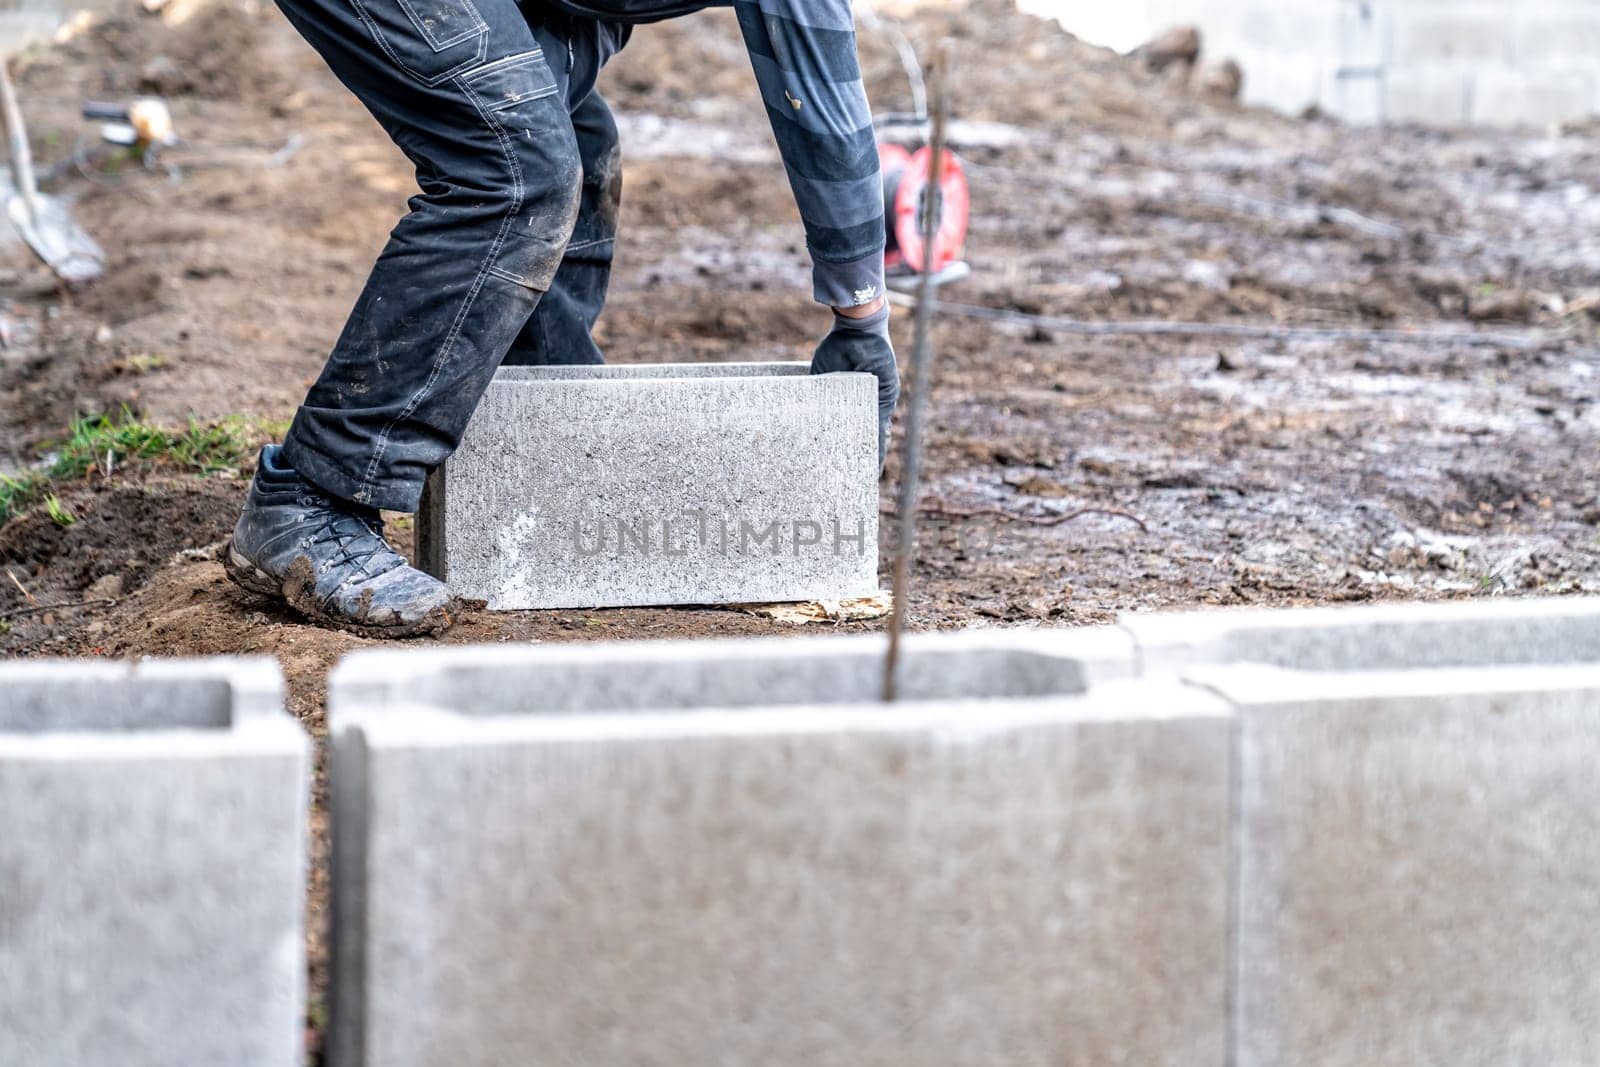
(503, 86)
(520, 98)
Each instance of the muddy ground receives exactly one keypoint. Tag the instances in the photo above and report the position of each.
(1286, 470)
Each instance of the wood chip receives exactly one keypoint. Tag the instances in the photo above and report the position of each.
(854, 609)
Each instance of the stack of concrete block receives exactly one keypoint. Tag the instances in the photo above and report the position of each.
(732, 853)
(152, 865)
(615, 486)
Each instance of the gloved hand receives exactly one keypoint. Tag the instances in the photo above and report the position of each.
(863, 345)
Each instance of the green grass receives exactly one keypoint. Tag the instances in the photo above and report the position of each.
(105, 444)
(58, 512)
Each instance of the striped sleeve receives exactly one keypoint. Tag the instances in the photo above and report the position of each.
(804, 55)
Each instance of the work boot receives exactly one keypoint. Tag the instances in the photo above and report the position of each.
(328, 560)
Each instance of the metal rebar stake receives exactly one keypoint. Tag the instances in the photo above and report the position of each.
(921, 368)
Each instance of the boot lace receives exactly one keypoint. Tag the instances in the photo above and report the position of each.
(356, 539)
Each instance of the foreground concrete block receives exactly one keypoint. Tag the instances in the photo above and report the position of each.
(605, 676)
(653, 878)
(152, 865)
(660, 484)
(1417, 865)
(1375, 637)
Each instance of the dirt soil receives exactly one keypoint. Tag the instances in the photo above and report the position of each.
(1288, 470)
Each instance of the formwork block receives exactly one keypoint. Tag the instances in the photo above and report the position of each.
(605, 676)
(1375, 637)
(1417, 857)
(152, 865)
(1556, 35)
(1462, 32)
(659, 484)
(1441, 93)
(729, 853)
(1536, 92)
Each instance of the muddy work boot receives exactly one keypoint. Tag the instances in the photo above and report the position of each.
(328, 560)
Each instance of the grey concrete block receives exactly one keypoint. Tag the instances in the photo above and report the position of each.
(1417, 865)
(555, 855)
(1533, 92)
(660, 484)
(152, 865)
(606, 676)
(1378, 637)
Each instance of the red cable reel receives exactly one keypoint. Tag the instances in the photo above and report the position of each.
(905, 178)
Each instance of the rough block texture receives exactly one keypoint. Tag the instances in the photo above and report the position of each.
(1417, 866)
(152, 865)
(1379, 637)
(662, 484)
(1039, 879)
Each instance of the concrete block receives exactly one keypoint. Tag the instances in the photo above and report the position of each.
(1417, 857)
(1474, 633)
(1433, 93)
(1450, 61)
(1467, 34)
(1548, 34)
(1535, 93)
(606, 676)
(556, 855)
(152, 865)
(661, 484)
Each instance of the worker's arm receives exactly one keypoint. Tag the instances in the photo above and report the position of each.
(804, 55)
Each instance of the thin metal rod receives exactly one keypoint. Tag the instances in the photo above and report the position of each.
(921, 371)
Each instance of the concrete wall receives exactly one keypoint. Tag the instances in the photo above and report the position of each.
(1444, 61)
(1337, 836)
(1406, 797)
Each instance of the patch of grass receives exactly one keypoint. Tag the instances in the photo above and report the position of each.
(58, 512)
(15, 494)
(102, 443)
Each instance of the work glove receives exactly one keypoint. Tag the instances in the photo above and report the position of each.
(863, 345)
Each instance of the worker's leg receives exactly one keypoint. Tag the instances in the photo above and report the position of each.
(465, 90)
(560, 329)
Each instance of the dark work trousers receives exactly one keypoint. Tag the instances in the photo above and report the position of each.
(506, 252)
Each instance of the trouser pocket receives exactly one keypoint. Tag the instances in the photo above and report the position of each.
(520, 99)
(431, 40)
(510, 88)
